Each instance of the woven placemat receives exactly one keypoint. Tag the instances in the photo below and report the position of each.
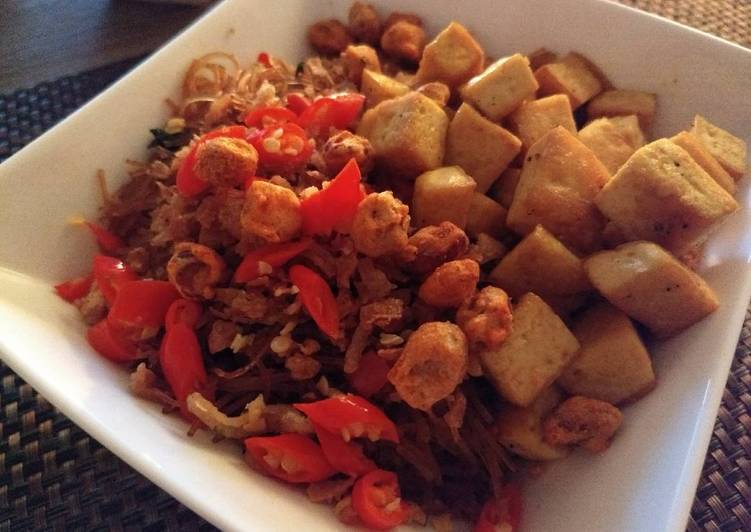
(54, 476)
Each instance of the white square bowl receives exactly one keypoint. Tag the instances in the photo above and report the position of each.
(645, 482)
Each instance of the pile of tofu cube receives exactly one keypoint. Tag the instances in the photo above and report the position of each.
(593, 231)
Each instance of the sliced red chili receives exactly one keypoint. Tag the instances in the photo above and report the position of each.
(334, 206)
(338, 111)
(110, 275)
(345, 457)
(377, 500)
(187, 181)
(264, 59)
(74, 289)
(183, 311)
(274, 255)
(182, 364)
(351, 416)
(281, 146)
(268, 116)
(110, 344)
(503, 511)
(317, 298)
(371, 374)
(141, 304)
(297, 103)
(108, 242)
(290, 457)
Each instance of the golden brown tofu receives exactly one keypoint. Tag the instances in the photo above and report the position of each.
(619, 102)
(570, 76)
(533, 118)
(520, 429)
(730, 151)
(613, 364)
(453, 57)
(501, 87)
(540, 264)
(540, 57)
(504, 188)
(482, 148)
(408, 133)
(661, 194)
(613, 140)
(357, 58)
(534, 355)
(703, 158)
(378, 87)
(487, 249)
(651, 286)
(442, 195)
(556, 189)
(485, 216)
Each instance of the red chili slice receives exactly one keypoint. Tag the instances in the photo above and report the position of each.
(290, 457)
(109, 343)
(108, 242)
(274, 255)
(345, 457)
(371, 374)
(74, 289)
(506, 510)
(338, 111)
(264, 59)
(183, 311)
(297, 103)
(377, 500)
(187, 181)
(281, 147)
(141, 304)
(334, 206)
(268, 116)
(182, 364)
(110, 275)
(351, 416)
(317, 298)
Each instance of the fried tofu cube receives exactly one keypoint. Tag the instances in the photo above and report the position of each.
(442, 195)
(485, 216)
(484, 149)
(408, 133)
(570, 76)
(618, 102)
(540, 57)
(613, 364)
(377, 87)
(504, 188)
(453, 57)
(533, 118)
(661, 194)
(613, 140)
(540, 264)
(703, 158)
(651, 286)
(729, 150)
(558, 184)
(534, 355)
(520, 429)
(501, 87)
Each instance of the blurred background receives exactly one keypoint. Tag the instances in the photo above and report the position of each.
(42, 40)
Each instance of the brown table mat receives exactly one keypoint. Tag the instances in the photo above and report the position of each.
(53, 476)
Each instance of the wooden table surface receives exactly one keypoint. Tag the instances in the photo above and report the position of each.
(41, 40)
